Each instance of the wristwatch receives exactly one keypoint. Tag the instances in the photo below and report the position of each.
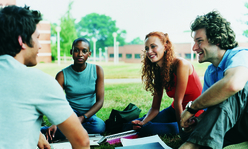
(85, 117)
(188, 108)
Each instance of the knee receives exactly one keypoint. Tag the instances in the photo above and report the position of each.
(44, 129)
(100, 127)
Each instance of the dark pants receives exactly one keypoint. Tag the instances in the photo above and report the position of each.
(223, 124)
(92, 125)
(164, 123)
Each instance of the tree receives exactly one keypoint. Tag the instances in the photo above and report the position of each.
(67, 34)
(245, 33)
(136, 41)
(53, 42)
(68, 31)
(100, 27)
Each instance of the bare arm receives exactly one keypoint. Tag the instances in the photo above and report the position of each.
(75, 133)
(154, 110)
(52, 129)
(99, 94)
(43, 143)
(60, 78)
(184, 69)
(233, 81)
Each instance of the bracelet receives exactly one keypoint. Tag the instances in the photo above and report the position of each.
(85, 117)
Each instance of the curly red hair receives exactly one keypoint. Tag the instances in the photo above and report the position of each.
(155, 78)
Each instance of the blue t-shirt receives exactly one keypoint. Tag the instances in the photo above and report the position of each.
(80, 87)
(232, 58)
(25, 95)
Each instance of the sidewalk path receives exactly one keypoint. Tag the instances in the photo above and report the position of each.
(137, 80)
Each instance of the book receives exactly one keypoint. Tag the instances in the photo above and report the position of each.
(115, 138)
(155, 145)
(145, 143)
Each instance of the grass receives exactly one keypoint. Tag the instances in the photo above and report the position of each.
(114, 71)
(118, 96)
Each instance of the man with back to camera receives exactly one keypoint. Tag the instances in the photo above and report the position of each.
(225, 89)
(28, 93)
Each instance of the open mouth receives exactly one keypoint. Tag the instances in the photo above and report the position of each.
(200, 53)
(151, 56)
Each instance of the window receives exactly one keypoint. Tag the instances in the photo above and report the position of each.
(120, 55)
(137, 56)
(111, 55)
(128, 56)
(188, 56)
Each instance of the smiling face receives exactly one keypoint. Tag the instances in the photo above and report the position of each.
(32, 52)
(80, 52)
(154, 49)
(206, 52)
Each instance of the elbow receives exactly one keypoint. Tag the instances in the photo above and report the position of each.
(235, 87)
(82, 143)
(86, 143)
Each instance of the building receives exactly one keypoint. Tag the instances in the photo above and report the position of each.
(45, 54)
(45, 34)
(127, 53)
(133, 53)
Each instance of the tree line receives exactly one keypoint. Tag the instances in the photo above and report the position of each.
(98, 26)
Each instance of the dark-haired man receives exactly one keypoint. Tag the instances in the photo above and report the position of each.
(27, 93)
(225, 90)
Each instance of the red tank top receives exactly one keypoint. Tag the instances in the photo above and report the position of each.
(193, 90)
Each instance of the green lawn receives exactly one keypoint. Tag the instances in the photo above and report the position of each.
(118, 96)
(113, 71)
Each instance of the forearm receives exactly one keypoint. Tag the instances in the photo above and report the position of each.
(94, 109)
(216, 94)
(178, 110)
(150, 115)
(75, 133)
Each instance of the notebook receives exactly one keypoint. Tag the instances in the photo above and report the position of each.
(115, 138)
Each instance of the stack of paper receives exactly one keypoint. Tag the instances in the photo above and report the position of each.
(153, 142)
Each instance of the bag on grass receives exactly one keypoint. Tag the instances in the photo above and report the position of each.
(117, 118)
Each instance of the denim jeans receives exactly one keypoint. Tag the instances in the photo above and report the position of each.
(92, 125)
(164, 123)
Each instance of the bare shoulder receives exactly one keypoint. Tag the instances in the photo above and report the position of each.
(99, 69)
(184, 65)
(182, 62)
(59, 75)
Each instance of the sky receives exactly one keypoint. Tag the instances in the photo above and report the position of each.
(139, 17)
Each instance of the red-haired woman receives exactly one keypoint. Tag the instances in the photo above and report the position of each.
(162, 70)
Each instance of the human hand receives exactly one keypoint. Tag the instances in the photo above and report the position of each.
(81, 119)
(137, 124)
(51, 132)
(185, 119)
(42, 143)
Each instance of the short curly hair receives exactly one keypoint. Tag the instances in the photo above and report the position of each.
(218, 29)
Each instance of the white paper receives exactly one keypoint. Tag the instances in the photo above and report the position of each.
(64, 145)
(94, 138)
(144, 140)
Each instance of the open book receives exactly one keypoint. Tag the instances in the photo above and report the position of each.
(153, 142)
(115, 138)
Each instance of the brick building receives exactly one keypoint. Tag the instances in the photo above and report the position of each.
(132, 53)
(45, 34)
